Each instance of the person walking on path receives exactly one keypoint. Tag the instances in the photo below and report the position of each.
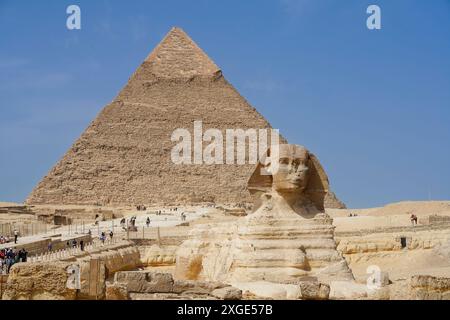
(16, 235)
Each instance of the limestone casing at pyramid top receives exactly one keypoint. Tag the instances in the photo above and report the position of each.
(178, 56)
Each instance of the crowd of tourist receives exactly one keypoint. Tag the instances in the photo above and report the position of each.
(9, 257)
(4, 239)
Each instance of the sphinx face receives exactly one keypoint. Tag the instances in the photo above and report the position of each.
(292, 173)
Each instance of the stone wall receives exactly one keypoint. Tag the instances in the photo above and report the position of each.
(137, 285)
(379, 242)
(424, 287)
(49, 280)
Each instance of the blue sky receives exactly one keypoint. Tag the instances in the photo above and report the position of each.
(373, 105)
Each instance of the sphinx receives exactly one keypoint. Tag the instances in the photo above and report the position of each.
(287, 237)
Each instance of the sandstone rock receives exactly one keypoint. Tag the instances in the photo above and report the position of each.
(270, 290)
(382, 293)
(313, 290)
(159, 256)
(38, 281)
(49, 280)
(200, 287)
(116, 291)
(424, 287)
(227, 293)
(145, 282)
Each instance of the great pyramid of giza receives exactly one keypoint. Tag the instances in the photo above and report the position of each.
(124, 156)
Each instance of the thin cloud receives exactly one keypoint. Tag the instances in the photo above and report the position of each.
(6, 63)
(37, 81)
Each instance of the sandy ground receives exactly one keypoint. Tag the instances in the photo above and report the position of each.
(391, 215)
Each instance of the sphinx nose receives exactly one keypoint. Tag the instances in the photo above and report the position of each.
(302, 169)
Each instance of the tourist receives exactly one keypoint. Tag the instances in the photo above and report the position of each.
(74, 243)
(24, 255)
(413, 220)
(50, 247)
(148, 222)
(16, 235)
(111, 234)
(81, 245)
(103, 238)
(68, 244)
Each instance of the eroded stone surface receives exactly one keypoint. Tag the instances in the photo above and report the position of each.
(286, 238)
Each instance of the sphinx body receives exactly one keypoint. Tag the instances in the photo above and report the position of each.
(287, 237)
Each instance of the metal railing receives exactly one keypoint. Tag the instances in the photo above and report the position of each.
(71, 251)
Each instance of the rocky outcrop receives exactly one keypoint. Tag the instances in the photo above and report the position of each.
(38, 281)
(58, 280)
(424, 287)
(138, 285)
(385, 242)
(155, 256)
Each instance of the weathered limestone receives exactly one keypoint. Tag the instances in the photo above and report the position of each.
(50, 279)
(38, 281)
(314, 290)
(158, 285)
(347, 290)
(288, 237)
(227, 293)
(424, 287)
(156, 256)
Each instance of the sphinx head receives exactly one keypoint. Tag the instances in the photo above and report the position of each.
(290, 169)
(291, 172)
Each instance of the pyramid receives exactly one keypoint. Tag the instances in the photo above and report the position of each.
(124, 156)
